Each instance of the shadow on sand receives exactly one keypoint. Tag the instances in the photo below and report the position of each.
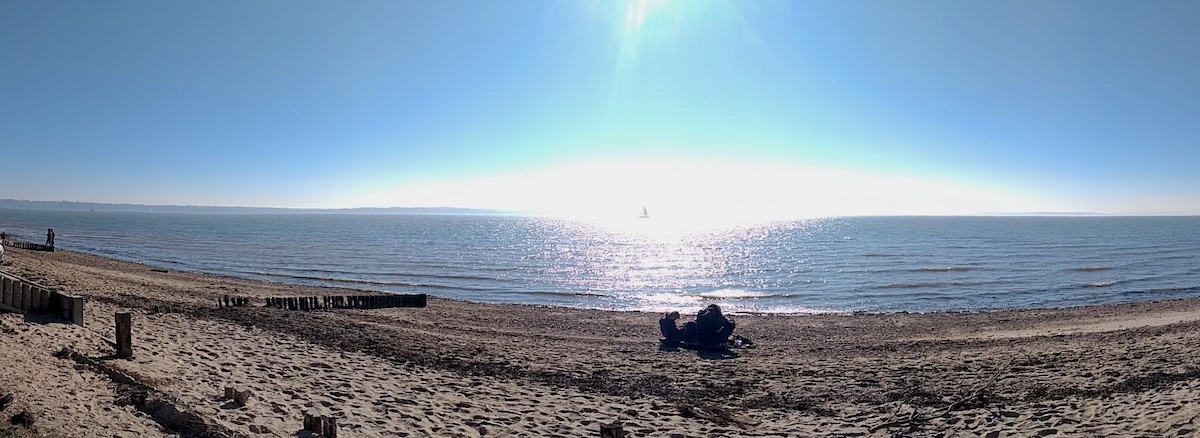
(707, 352)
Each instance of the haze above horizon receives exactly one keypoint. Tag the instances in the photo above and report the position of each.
(749, 110)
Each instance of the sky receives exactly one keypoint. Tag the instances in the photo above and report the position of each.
(755, 109)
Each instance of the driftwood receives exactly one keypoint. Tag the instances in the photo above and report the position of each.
(715, 414)
(914, 418)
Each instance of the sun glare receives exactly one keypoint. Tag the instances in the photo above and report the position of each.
(636, 12)
(700, 194)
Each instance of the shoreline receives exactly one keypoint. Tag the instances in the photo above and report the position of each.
(459, 368)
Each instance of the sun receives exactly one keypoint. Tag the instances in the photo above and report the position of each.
(636, 12)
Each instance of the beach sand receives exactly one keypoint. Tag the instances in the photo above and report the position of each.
(465, 369)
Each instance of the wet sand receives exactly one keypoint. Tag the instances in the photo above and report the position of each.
(467, 369)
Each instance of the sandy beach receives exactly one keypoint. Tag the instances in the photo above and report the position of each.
(458, 369)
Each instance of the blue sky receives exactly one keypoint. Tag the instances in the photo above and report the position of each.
(784, 107)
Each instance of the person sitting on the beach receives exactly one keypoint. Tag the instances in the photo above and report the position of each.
(672, 332)
(712, 327)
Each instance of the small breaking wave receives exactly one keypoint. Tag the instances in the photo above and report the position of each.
(554, 293)
(1090, 268)
(1101, 284)
(944, 269)
(354, 281)
(912, 285)
(733, 294)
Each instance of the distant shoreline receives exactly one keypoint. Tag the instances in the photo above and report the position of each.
(97, 207)
(17, 204)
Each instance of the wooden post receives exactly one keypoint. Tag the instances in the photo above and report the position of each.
(6, 291)
(230, 392)
(124, 335)
(330, 429)
(35, 296)
(43, 300)
(313, 421)
(26, 297)
(76, 310)
(241, 395)
(613, 430)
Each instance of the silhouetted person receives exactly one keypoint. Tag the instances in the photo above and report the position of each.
(50, 237)
(673, 332)
(712, 327)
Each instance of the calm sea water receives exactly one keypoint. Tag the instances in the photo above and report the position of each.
(873, 264)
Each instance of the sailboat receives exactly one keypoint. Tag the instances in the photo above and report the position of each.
(644, 215)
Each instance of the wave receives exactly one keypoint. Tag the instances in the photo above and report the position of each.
(1173, 289)
(945, 269)
(912, 285)
(1101, 284)
(733, 294)
(354, 281)
(565, 294)
(1090, 268)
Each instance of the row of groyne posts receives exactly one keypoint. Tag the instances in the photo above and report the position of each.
(332, 302)
(23, 296)
(12, 242)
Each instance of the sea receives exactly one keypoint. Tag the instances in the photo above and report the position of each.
(848, 264)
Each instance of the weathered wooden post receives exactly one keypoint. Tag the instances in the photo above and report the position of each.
(330, 429)
(124, 335)
(612, 430)
(43, 300)
(26, 296)
(35, 295)
(313, 421)
(241, 395)
(76, 304)
(6, 291)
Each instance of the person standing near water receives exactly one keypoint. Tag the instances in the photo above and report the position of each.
(50, 237)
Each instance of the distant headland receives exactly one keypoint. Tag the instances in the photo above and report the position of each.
(146, 208)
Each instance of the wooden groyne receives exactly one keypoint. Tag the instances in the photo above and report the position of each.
(23, 296)
(348, 302)
(14, 243)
